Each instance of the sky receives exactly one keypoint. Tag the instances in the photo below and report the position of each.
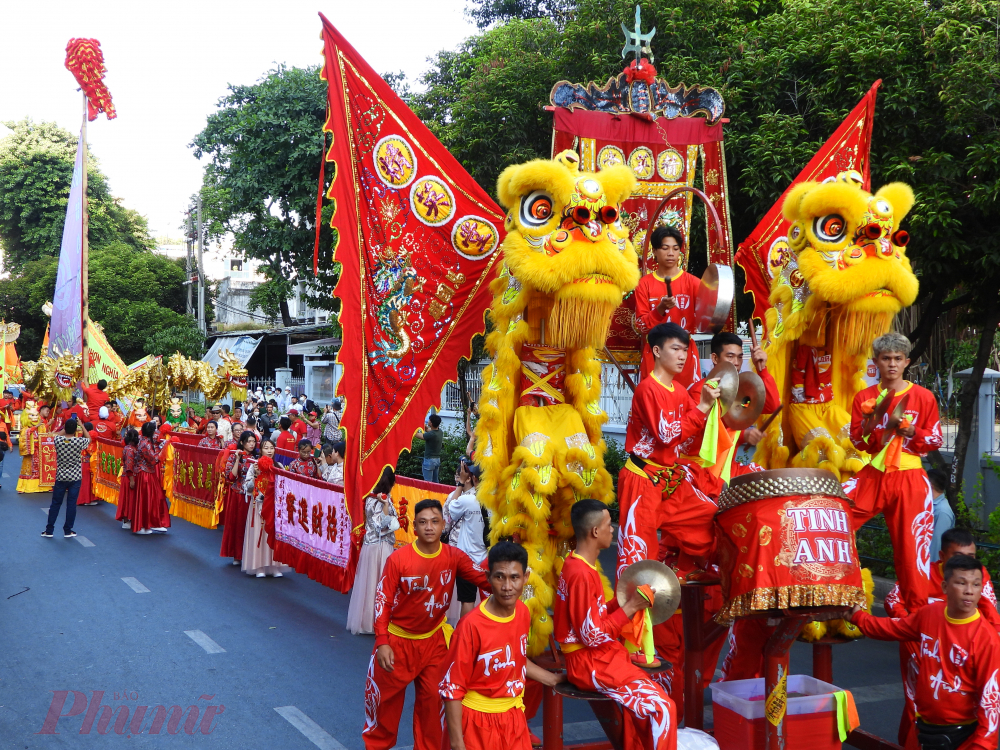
(169, 64)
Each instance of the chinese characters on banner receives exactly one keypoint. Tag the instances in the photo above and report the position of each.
(105, 466)
(311, 516)
(194, 484)
(47, 461)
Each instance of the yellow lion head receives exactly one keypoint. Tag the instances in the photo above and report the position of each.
(566, 240)
(845, 251)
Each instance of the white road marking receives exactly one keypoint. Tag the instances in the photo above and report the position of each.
(134, 584)
(84, 541)
(205, 642)
(45, 511)
(309, 728)
(6, 475)
(876, 693)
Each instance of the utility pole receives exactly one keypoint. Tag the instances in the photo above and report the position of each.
(189, 239)
(84, 260)
(201, 274)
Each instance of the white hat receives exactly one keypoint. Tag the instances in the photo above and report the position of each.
(103, 412)
(289, 390)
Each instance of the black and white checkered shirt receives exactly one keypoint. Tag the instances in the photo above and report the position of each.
(69, 457)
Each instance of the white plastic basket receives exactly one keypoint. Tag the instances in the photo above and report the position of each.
(746, 697)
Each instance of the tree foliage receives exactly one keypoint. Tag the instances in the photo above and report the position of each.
(264, 146)
(186, 339)
(133, 295)
(36, 170)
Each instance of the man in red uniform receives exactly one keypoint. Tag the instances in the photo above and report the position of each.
(79, 410)
(894, 483)
(104, 427)
(587, 629)
(957, 659)
(488, 662)
(653, 486)
(411, 635)
(8, 405)
(667, 295)
(728, 347)
(95, 395)
(953, 542)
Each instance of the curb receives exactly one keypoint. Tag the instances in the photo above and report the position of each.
(882, 587)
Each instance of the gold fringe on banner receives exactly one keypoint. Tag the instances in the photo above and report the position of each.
(785, 597)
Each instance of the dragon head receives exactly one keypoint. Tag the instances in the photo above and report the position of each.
(845, 250)
(566, 240)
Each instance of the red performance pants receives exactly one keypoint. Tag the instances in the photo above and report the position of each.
(483, 731)
(906, 501)
(422, 662)
(748, 637)
(686, 514)
(650, 718)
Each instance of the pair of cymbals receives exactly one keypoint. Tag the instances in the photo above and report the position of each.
(660, 578)
(742, 397)
(875, 418)
(895, 418)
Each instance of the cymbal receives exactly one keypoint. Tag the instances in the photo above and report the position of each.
(714, 299)
(749, 403)
(729, 382)
(657, 576)
(869, 423)
(895, 418)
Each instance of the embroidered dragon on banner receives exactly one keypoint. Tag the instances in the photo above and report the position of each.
(568, 262)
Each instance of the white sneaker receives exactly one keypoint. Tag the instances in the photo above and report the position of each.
(236, 562)
(261, 575)
(159, 529)
(126, 524)
(145, 531)
(278, 575)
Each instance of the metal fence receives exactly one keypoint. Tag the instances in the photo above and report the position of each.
(451, 399)
(297, 384)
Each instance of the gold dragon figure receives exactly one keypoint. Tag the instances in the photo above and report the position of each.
(568, 262)
(837, 285)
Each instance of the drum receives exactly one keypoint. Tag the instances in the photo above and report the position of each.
(785, 540)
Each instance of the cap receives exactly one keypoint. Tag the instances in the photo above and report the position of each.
(103, 412)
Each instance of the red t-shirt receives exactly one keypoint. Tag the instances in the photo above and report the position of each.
(987, 602)
(957, 666)
(415, 590)
(95, 398)
(651, 288)
(488, 654)
(299, 428)
(287, 440)
(662, 418)
(105, 428)
(921, 409)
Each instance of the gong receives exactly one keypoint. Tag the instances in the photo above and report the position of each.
(715, 298)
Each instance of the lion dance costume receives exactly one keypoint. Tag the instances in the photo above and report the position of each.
(568, 262)
(845, 277)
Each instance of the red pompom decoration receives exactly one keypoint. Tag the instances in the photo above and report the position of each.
(85, 61)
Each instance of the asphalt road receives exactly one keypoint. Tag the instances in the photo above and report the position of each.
(162, 620)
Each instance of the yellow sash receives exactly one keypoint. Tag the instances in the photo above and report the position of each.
(569, 648)
(479, 702)
(442, 626)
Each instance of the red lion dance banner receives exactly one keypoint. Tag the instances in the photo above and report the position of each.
(417, 241)
(764, 252)
(105, 466)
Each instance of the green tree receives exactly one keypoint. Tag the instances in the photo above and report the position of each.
(186, 339)
(36, 170)
(133, 295)
(264, 145)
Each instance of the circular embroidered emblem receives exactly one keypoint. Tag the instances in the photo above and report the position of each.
(609, 156)
(670, 165)
(395, 162)
(432, 201)
(641, 162)
(474, 238)
(778, 256)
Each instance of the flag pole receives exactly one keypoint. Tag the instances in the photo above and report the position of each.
(84, 271)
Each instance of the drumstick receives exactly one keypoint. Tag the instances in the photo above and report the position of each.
(753, 342)
(670, 288)
(771, 418)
